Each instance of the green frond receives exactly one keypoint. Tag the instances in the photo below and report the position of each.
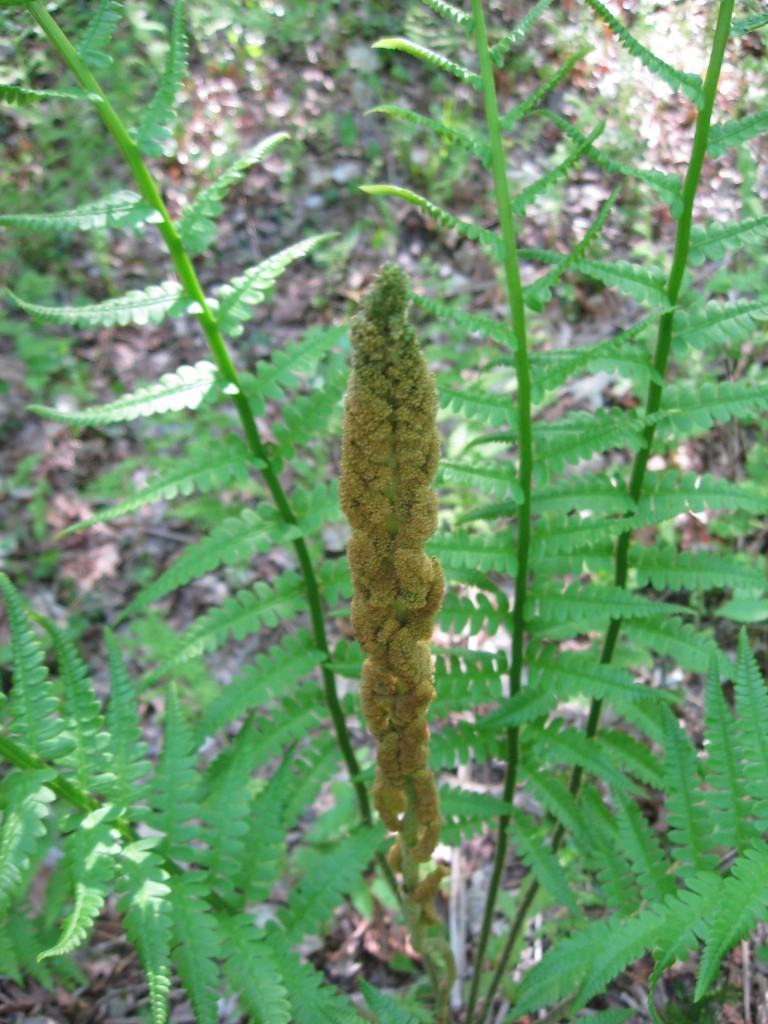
(461, 743)
(735, 132)
(573, 534)
(752, 23)
(262, 606)
(563, 71)
(669, 494)
(588, 492)
(619, 355)
(532, 847)
(554, 795)
(202, 473)
(146, 905)
(689, 824)
(281, 371)
(90, 851)
(89, 758)
(226, 808)
(689, 85)
(583, 434)
(197, 946)
(466, 812)
(147, 306)
(715, 324)
(313, 767)
(525, 197)
(752, 731)
(581, 607)
(457, 16)
(322, 888)
(95, 37)
(462, 550)
(478, 405)
(569, 675)
(21, 96)
(24, 800)
(235, 540)
(316, 506)
(686, 645)
(253, 878)
(482, 477)
(254, 969)
(475, 147)
(306, 417)
(267, 675)
(712, 241)
(642, 283)
(569, 746)
(651, 868)
(725, 794)
(526, 706)
(666, 567)
(126, 748)
(428, 56)
(312, 1000)
(157, 124)
(185, 388)
(741, 903)
(386, 1010)
(688, 411)
(33, 708)
(473, 322)
(668, 187)
(251, 288)
(617, 884)
(196, 225)
(629, 754)
(499, 50)
(539, 294)
(459, 612)
(119, 210)
(465, 228)
(686, 917)
(175, 786)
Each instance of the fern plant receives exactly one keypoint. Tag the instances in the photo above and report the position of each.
(535, 547)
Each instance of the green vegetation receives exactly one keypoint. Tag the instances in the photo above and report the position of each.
(598, 559)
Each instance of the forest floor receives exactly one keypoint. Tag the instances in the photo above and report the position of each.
(319, 89)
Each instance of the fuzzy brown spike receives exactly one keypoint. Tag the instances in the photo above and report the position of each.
(390, 454)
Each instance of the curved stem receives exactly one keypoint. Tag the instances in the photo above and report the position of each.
(652, 405)
(190, 281)
(514, 289)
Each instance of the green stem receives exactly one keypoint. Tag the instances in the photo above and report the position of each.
(514, 290)
(652, 405)
(189, 280)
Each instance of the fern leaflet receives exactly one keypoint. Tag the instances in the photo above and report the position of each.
(156, 126)
(98, 32)
(185, 477)
(430, 57)
(24, 800)
(120, 210)
(733, 133)
(21, 96)
(149, 306)
(689, 84)
(147, 908)
(252, 287)
(195, 226)
(185, 388)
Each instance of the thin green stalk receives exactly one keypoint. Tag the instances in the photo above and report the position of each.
(189, 279)
(640, 465)
(514, 290)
